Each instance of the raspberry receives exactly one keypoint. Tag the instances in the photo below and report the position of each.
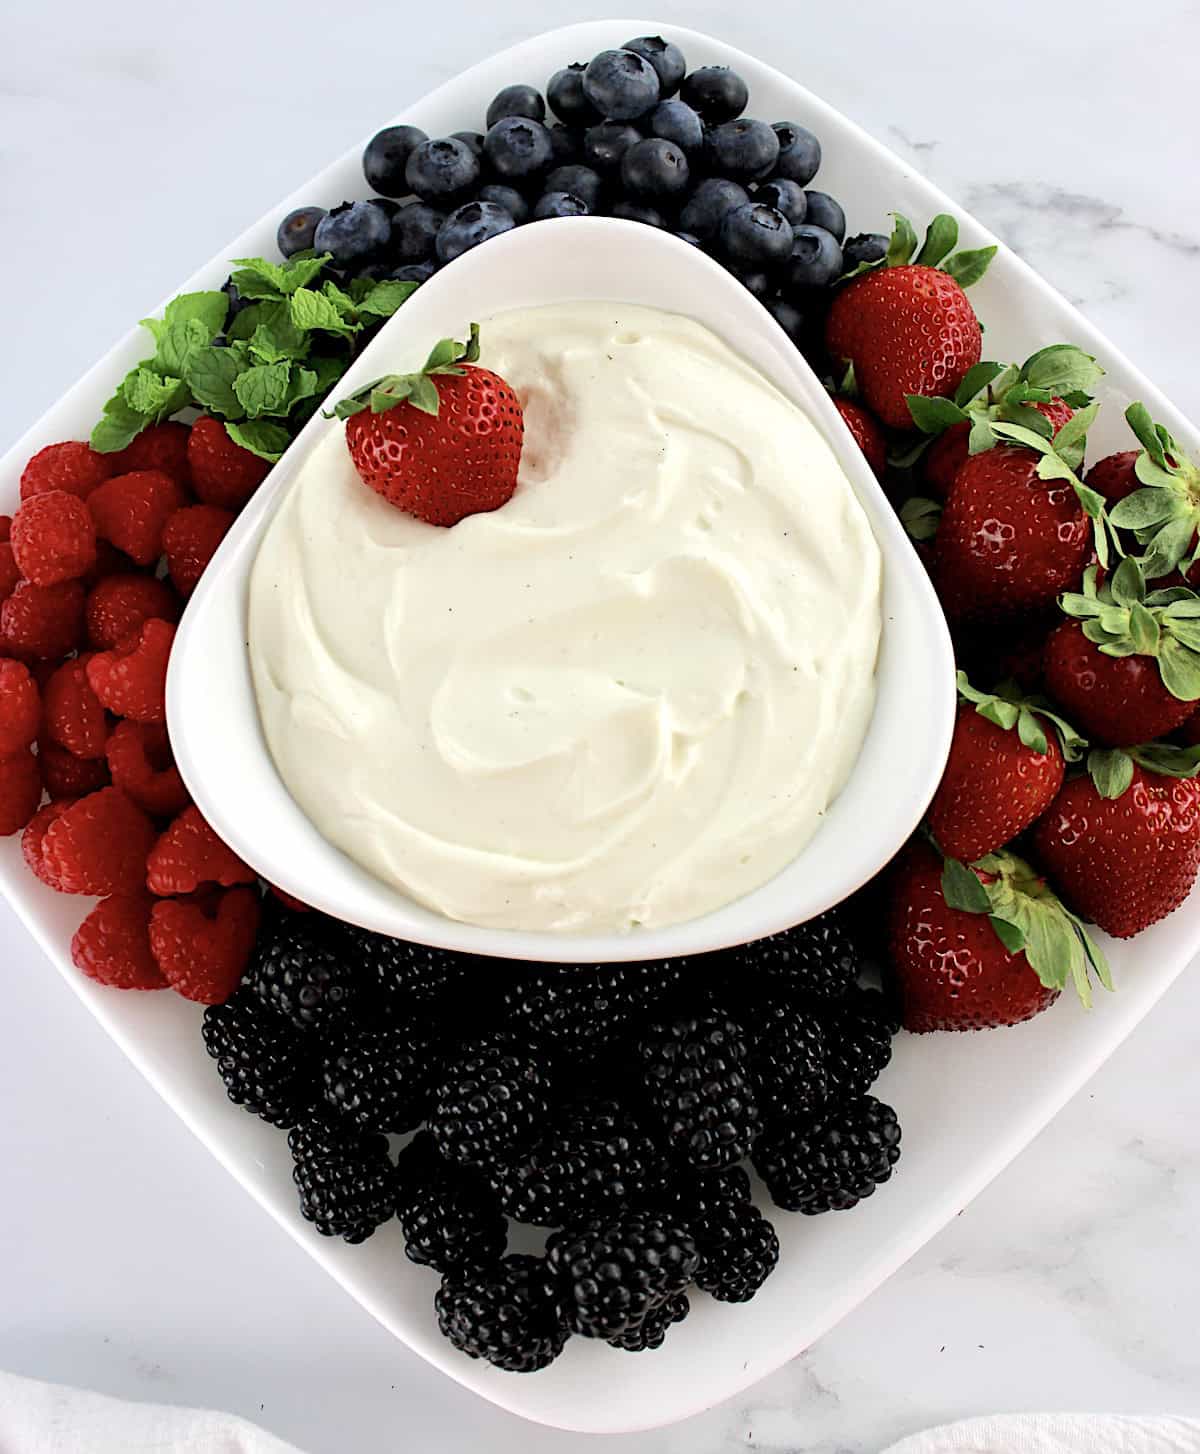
(202, 957)
(33, 842)
(119, 604)
(190, 541)
(20, 790)
(109, 561)
(10, 575)
(140, 760)
(42, 621)
(74, 467)
(72, 715)
(131, 680)
(53, 538)
(20, 707)
(189, 854)
(131, 510)
(99, 845)
(223, 473)
(5, 527)
(161, 447)
(68, 776)
(112, 945)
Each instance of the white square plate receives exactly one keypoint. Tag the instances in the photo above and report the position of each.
(967, 1103)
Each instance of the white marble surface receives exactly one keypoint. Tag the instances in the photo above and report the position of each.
(138, 137)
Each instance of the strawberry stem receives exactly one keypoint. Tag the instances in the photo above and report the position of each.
(418, 389)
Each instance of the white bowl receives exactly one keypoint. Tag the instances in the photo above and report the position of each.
(968, 1103)
(215, 728)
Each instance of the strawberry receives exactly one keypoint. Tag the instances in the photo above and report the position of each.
(1115, 476)
(1123, 844)
(440, 444)
(1003, 771)
(222, 472)
(1164, 514)
(1127, 667)
(907, 328)
(978, 947)
(866, 431)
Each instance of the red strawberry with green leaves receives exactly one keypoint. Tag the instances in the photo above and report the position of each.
(974, 948)
(1127, 666)
(1006, 764)
(869, 437)
(905, 325)
(1122, 844)
(1164, 514)
(442, 443)
(1115, 476)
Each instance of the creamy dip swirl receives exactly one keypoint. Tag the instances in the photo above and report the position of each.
(624, 699)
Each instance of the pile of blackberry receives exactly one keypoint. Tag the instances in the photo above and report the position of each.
(632, 133)
(615, 1106)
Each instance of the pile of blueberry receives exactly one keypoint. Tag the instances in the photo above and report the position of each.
(610, 1110)
(636, 136)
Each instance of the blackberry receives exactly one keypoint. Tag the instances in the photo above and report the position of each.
(263, 1061)
(651, 1332)
(302, 971)
(737, 1244)
(818, 958)
(382, 1079)
(506, 1315)
(345, 1179)
(410, 977)
(594, 1161)
(490, 1104)
(858, 1039)
(695, 1075)
(611, 1274)
(788, 1055)
(830, 1164)
(450, 1218)
(576, 1010)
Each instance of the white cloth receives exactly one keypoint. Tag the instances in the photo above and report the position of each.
(1057, 1434)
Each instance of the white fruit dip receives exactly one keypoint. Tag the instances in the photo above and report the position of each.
(623, 699)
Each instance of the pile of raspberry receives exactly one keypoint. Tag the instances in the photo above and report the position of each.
(95, 568)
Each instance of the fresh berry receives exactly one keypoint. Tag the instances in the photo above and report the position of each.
(73, 467)
(414, 232)
(413, 273)
(67, 776)
(385, 160)
(473, 440)
(517, 100)
(858, 1040)
(505, 1314)
(738, 1252)
(53, 538)
(297, 232)
(509, 200)
(190, 539)
(442, 172)
(344, 1178)
(666, 58)
(716, 92)
(1115, 476)
(5, 528)
(696, 1078)
(142, 765)
(675, 121)
(120, 604)
(223, 473)
(412, 979)
(40, 623)
(33, 843)
(469, 225)
(20, 790)
(745, 150)
(353, 233)
(606, 143)
(517, 149)
(816, 259)
(109, 562)
(705, 210)
(621, 85)
(20, 707)
(565, 94)
(160, 447)
(944, 458)
(611, 1274)
(864, 247)
(819, 958)
(98, 845)
(641, 212)
(112, 945)
(263, 1062)
(793, 322)
(449, 1215)
(756, 235)
(301, 971)
(826, 211)
(654, 171)
(833, 1164)
(203, 955)
(490, 1103)
(189, 854)
(1168, 497)
(131, 679)
(131, 510)
(580, 181)
(867, 433)
(10, 575)
(73, 716)
(799, 155)
(576, 1010)
(788, 1057)
(651, 1332)
(785, 196)
(381, 1078)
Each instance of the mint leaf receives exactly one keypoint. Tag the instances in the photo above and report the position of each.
(342, 301)
(966, 268)
(266, 440)
(934, 415)
(208, 309)
(298, 272)
(940, 239)
(278, 340)
(384, 298)
(118, 426)
(310, 310)
(1111, 770)
(328, 369)
(178, 345)
(302, 385)
(149, 393)
(250, 319)
(263, 389)
(255, 277)
(962, 890)
(211, 379)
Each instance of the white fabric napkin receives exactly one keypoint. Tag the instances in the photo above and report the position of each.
(1057, 1434)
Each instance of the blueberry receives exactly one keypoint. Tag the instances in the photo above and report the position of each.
(566, 145)
(473, 139)
(353, 232)
(754, 281)
(667, 60)
(559, 204)
(297, 229)
(508, 198)
(743, 149)
(790, 319)
(716, 92)
(709, 203)
(785, 196)
(516, 101)
(517, 147)
(676, 121)
(864, 247)
(387, 156)
(582, 182)
(604, 145)
(567, 100)
(413, 273)
(374, 272)
(621, 85)
(414, 231)
(654, 170)
(638, 212)
(688, 237)
(824, 211)
(816, 257)
(236, 301)
(468, 226)
(799, 152)
(387, 205)
(755, 236)
(442, 170)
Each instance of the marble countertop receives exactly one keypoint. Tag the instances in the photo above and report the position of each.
(138, 139)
